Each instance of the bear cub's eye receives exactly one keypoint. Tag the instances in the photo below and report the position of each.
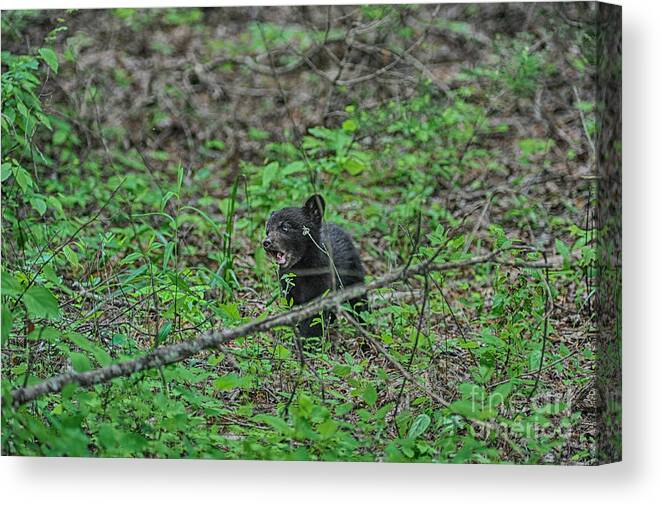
(286, 227)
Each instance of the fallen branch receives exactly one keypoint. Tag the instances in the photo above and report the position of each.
(177, 352)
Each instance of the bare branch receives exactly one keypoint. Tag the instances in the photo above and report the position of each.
(177, 352)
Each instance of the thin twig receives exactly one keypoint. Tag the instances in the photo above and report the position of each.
(425, 297)
(547, 309)
(71, 238)
(583, 121)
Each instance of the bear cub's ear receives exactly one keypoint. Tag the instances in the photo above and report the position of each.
(314, 208)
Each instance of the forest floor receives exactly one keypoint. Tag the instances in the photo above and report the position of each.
(175, 133)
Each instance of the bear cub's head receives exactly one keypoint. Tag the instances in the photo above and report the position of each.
(288, 231)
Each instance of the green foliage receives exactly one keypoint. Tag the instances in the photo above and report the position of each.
(174, 252)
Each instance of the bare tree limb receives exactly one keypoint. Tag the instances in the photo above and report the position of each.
(177, 352)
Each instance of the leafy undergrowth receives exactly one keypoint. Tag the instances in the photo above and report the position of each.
(113, 247)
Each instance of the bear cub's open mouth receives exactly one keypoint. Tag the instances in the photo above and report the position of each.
(279, 257)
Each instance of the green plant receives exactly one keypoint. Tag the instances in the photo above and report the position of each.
(126, 230)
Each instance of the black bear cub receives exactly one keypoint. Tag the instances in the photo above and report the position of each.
(302, 244)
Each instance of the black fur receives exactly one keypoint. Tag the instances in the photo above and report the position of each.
(301, 243)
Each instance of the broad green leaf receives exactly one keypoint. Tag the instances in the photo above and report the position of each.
(80, 362)
(5, 172)
(293, 167)
(343, 408)
(350, 125)
(500, 394)
(107, 436)
(39, 205)
(9, 286)
(227, 382)
(45, 333)
(100, 354)
(167, 254)
(49, 57)
(408, 448)
(369, 394)
(40, 303)
(564, 251)
(7, 322)
(354, 166)
(269, 173)
(230, 310)
(119, 339)
(341, 370)
(275, 422)
(305, 404)
(216, 144)
(281, 352)
(23, 110)
(419, 425)
(471, 409)
(59, 137)
(327, 428)
(71, 256)
(23, 179)
(164, 332)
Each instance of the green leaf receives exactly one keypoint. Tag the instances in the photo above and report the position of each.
(293, 167)
(100, 354)
(166, 198)
(39, 205)
(80, 362)
(369, 394)
(328, 428)
(341, 370)
(108, 436)
(230, 310)
(40, 303)
(118, 339)
(216, 144)
(164, 332)
(180, 178)
(500, 394)
(23, 110)
(227, 382)
(350, 125)
(44, 334)
(269, 173)
(56, 204)
(9, 286)
(354, 166)
(7, 323)
(49, 57)
(564, 251)
(59, 137)
(343, 408)
(167, 254)
(419, 425)
(6, 172)
(470, 409)
(71, 256)
(23, 179)
(281, 352)
(407, 449)
(275, 422)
